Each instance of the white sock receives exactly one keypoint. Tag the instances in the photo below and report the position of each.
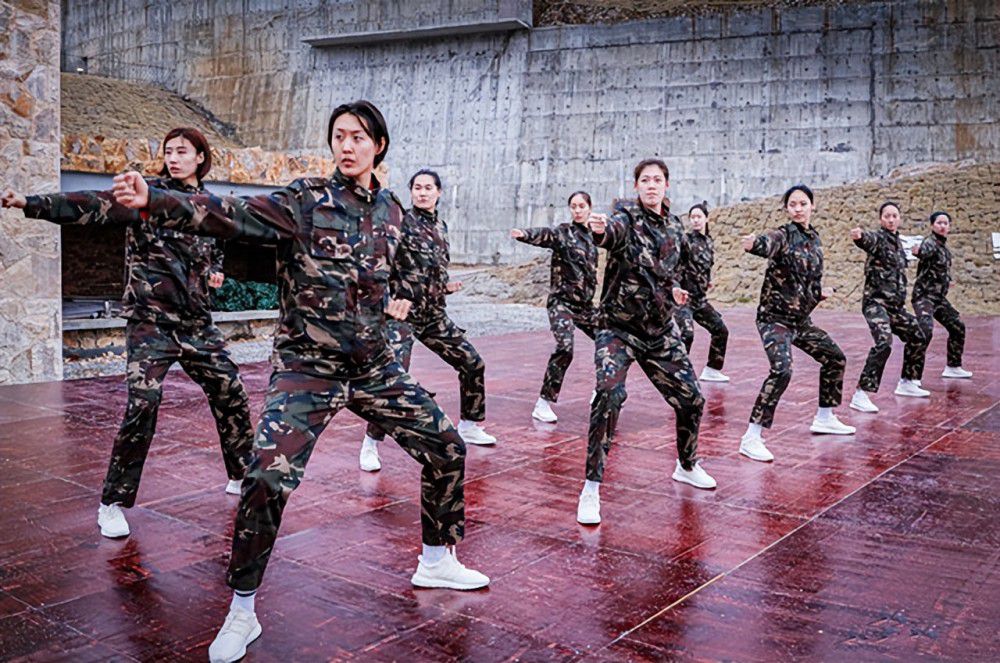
(243, 602)
(465, 423)
(433, 554)
(591, 488)
(755, 430)
(542, 401)
(824, 413)
(370, 443)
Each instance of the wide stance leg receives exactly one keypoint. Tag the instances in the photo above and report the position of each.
(151, 351)
(445, 339)
(612, 358)
(670, 371)
(907, 328)
(946, 314)
(881, 329)
(684, 319)
(711, 321)
(400, 337)
(561, 324)
(817, 344)
(778, 346)
(924, 310)
(204, 358)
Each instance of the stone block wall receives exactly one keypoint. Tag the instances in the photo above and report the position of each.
(30, 304)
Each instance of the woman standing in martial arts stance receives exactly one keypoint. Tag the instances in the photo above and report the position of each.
(697, 258)
(930, 295)
(336, 239)
(166, 304)
(643, 243)
(421, 278)
(884, 308)
(572, 284)
(791, 290)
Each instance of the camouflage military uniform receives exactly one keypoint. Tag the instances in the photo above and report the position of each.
(166, 302)
(636, 325)
(884, 307)
(791, 290)
(572, 284)
(336, 243)
(697, 258)
(930, 298)
(421, 276)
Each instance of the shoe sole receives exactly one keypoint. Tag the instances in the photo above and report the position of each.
(111, 535)
(370, 469)
(444, 584)
(253, 638)
(826, 431)
(544, 420)
(957, 377)
(862, 409)
(927, 395)
(589, 522)
(712, 380)
(234, 492)
(691, 483)
(479, 444)
(757, 458)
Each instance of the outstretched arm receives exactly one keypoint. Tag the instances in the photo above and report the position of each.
(765, 245)
(543, 237)
(80, 207)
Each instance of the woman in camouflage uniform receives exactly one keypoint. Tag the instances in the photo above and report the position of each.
(572, 284)
(791, 290)
(697, 258)
(336, 240)
(166, 303)
(930, 295)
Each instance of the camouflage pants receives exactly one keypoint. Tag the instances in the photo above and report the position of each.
(706, 316)
(562, 319)
(668, 368)
(447, 340)
(883, 323)
(778, 341)
(928, 311)
(297, 409)
(201, 351)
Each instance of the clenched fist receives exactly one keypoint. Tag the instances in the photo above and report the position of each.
(597, 223)
(131, 190)
(747, 241)
(13, 199)
(398, 308)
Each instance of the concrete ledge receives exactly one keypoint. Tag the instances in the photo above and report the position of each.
(217, 316)
(385, 36)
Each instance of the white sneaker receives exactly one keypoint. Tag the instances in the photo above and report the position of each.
(240, 629)
(696, 476)
(449, 573)
(712, 375)
(752, 446)
(956, 372)
(234, 487)
(831, 426)
(112, 521)
(369, 459)
(473, 433)
(588, 511)
(593, 396)
(543, 411)
(862, 403)
(908, 388)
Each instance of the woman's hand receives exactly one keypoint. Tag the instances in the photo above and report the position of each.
(398, 308)
(516, 233)
(747, 241)
(597, 223)
(13, 199)
(131, 190)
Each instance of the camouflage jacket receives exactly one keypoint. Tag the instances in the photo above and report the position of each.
(933, 269)
(166, 271)
(885, 268)
(793, 281)
(697, 258)
(573, 278)
(643, 254)
(421, 264)
(336, 242)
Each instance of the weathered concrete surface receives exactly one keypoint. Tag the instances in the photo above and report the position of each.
(30, 340)
(740, 104)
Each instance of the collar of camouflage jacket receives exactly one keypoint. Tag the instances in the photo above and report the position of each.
(892, 233)
(939, 237)
(368, 195)
(174, 184)
(427, 214)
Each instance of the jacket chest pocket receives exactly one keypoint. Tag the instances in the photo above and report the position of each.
(335, 237)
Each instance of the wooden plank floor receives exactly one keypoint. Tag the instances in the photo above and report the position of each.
(881, 546)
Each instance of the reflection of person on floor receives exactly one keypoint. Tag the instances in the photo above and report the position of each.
(697, 258)
(421, 278)
(336, 239)
(884, 307)
(791, 290)
(930, 296)
(643, 243)
(572, 284)
(166, 304)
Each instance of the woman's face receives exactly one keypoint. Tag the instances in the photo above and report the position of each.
(799, 207)
(890, 218)
(941, 225)
(651, 186)
(182, 159)
(353, 149)
(424, 193)
(697, 219)
(579, 208)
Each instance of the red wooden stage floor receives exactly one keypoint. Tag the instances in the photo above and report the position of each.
(881, 546)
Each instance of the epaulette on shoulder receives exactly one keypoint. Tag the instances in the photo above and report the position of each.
(394, 198)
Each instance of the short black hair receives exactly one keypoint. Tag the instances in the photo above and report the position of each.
(586, 196)
(703, 206)
(642, 165)
(426, 171)
(935, 215)
(371, 119)
(888, 203)
(797, 187)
